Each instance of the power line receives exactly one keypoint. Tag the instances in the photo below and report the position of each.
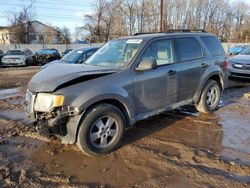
(54, 2)
(42, 7)
(56, 17)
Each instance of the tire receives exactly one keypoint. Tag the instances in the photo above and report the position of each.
(97, 134)
(26, 63)
(209, 102)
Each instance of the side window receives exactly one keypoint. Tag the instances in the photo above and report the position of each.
(161, 51)
(213, 46)
(188, 49)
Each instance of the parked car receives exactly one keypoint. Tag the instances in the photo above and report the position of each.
(44, 56)
(1, 56)
(18, 57)
(127, 80)
(66, 51)
(76, 56)
(239, 65)
(237, 49)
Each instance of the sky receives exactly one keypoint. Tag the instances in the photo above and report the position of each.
(69, 13)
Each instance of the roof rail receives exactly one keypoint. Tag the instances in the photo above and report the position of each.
(174, 31)
(144, 33)
(186, 30)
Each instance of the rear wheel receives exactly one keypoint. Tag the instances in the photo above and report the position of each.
(101, 130)
(210, 97)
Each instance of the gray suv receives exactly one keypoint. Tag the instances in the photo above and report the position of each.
(127, 80)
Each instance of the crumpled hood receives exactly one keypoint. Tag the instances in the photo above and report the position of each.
(241, 58)
(56, 75)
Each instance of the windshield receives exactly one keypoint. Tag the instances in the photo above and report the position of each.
(246, 51)
(73, 56)
(15, 52)
(115, 53)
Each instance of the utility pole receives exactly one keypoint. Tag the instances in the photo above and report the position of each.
(161, 19)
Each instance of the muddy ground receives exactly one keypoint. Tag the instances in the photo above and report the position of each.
(176, 149)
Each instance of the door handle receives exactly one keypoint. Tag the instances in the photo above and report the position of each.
(204, 65)
(171, 72)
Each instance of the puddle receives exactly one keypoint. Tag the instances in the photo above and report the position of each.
(10, 93)
(236, 137)
(235, 124)
(14, 115)
(15, 101)
(56, 158)
(236, 133)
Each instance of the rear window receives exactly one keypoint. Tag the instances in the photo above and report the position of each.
(188, 49)
(46, 51)
(213, 45)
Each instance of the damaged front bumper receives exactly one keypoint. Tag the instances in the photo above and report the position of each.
(62, 121)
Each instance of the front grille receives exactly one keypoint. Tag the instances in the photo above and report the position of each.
(247, 66)
(240, 75)
(244, 66)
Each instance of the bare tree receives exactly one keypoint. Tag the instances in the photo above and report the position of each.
(94, 21)
(21, 26)
(229, 20)
(65, 35)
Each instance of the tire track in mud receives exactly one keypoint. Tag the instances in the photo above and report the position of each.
(199, 164)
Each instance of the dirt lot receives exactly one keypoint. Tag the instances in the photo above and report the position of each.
(176, 149)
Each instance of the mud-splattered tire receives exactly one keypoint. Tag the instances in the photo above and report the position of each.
(101, 130)
(210, 97)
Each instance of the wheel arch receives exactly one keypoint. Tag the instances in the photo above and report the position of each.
(74, 130)
(115, 102)
(214, 76)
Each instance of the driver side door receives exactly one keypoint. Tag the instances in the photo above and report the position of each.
(156, 88)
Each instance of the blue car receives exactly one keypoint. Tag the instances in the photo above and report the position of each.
(237, 49)
(77, 56)
(239, 65)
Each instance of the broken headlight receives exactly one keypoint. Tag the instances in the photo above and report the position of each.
(46, 102)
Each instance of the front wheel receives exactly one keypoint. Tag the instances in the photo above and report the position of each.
(26, 63)
(101, 130)
(210, 97)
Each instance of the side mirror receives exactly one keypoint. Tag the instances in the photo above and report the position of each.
(146, 64)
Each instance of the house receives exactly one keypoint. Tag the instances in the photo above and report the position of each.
(30, 33)
(4, 35)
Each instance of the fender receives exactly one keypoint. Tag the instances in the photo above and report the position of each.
(107, 92)
(87, 99)
(209, 73)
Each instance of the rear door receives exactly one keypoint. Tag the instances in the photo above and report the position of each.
(215, 49)
(155, 89)
(190, 59)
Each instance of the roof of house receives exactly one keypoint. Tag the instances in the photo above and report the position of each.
(35, 21)
(45, 25)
